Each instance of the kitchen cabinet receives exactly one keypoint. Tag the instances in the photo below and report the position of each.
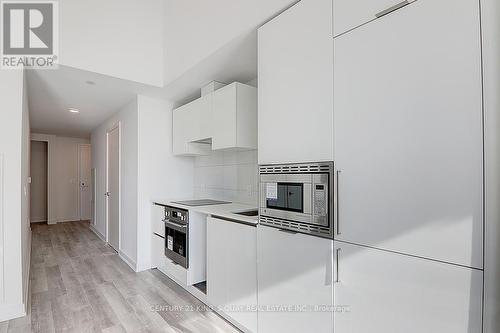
(295, 52)
(350, 14)
(157, 217)
(191, 126)
(408, 132)
(379, 291)
(232, 270)
(157, 251)
(164, 264)
(296, 274)
(234, 117)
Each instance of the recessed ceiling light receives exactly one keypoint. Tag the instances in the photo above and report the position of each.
(90, 82)
(74, 110)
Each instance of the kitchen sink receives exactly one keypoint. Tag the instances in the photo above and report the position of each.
(248, 213)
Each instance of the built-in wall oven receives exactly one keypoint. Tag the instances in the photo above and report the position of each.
(177, 235)
(298, 197)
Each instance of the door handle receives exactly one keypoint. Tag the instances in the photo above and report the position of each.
(337, 231)
(337, 258)
(392, 9)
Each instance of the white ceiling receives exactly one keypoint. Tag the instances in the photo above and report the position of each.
(52, 92)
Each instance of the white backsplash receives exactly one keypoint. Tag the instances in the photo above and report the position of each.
(231, 176)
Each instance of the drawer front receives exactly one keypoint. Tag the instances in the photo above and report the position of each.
(172, 270)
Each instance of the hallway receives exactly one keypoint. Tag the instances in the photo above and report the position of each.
(79, 284)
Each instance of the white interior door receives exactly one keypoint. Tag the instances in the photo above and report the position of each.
(85, 182)
(113, 188)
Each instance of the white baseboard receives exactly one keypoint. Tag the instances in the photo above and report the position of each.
(38, 220)
(11, 311)
(101, 236)
(128, 261)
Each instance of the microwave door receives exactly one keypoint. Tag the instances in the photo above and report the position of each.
(294, 198)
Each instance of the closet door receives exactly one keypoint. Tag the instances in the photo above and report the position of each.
(408, 132)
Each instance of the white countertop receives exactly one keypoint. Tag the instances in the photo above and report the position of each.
(223, 210)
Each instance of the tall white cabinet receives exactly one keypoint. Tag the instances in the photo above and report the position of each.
(295, 275)
(295, 85)
(408, 132)
(383, 292)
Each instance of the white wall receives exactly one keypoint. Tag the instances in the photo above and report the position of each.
(231, 176)
(128, 119)
(161, 175)
(13, 197)
(121, 38)
(25, 195)
(39, 181)
(196, 29)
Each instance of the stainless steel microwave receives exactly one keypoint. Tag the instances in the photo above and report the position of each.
(297, 197)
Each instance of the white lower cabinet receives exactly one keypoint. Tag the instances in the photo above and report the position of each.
(157, 251)
(295, 276)
(164, 264)
(386, 292)
(232, 270)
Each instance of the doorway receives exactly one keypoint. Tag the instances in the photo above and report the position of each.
(85, 165)
(113, 187)
(39, 168)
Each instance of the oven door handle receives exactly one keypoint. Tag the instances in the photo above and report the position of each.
(175, 226)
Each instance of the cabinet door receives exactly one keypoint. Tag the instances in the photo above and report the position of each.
(241, 266)
(384, 292)
(235, 117)
(295, 273)
(408, 132)
(349, 14)
(224, 117)
(216, 263)
(157, 251)
(295, 85)
(192, 122)
(232, 270)
(202, 118)
(157, 217)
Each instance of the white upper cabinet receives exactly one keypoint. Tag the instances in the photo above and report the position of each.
(295, 271)
(223, 119)
(349, 14)
(408, 132)
(234, 117)
(191, 123)
(391, 293)
(295, 85)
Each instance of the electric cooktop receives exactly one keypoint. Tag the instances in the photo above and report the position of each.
(201, 202)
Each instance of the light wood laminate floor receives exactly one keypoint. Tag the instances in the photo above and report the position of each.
(79, 284)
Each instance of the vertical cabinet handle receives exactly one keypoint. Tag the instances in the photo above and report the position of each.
(337, 258)
(338, 202)
(392, 9)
